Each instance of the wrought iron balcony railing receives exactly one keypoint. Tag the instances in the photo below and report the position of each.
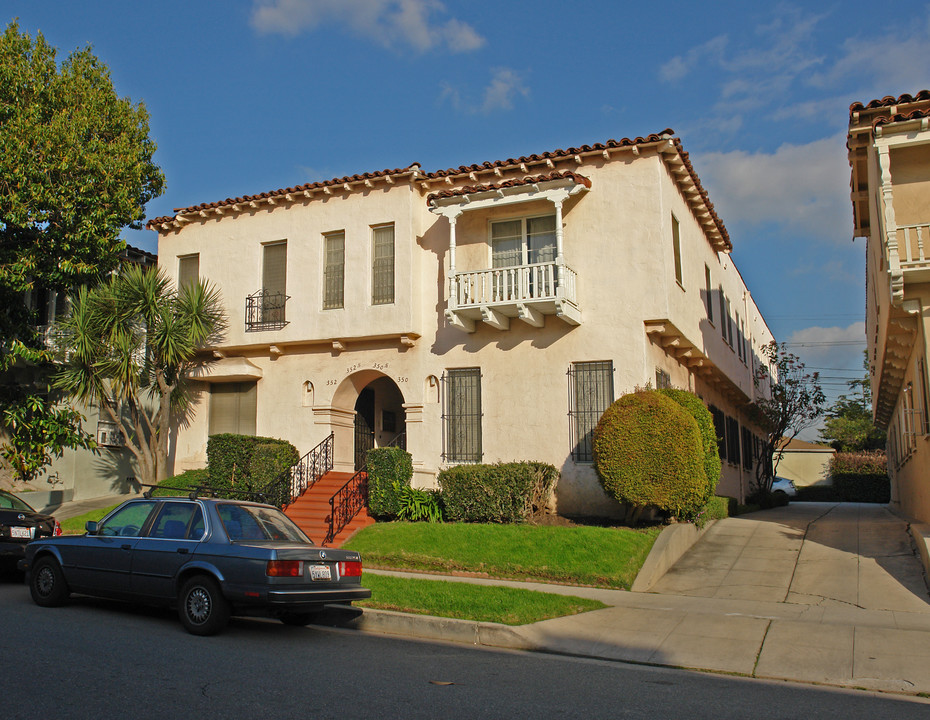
(265, 311)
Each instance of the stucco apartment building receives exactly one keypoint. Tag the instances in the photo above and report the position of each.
(483, 313)
(889, 153)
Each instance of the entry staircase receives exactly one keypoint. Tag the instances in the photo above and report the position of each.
(328, 506)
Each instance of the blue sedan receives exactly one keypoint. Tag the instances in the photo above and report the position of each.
(209, 557)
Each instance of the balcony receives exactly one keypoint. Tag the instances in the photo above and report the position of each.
(913, 246)
(265, 311)
(526, 292)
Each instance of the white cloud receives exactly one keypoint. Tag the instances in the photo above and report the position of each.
(829, 347)
(680, 66)
(506, 85)
(803, 188)
(390, 23)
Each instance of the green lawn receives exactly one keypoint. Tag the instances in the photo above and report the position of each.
(75, 525)
(579, 555)
(442, 598)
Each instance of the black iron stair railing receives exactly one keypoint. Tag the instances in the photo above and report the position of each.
(346, 503)
(301, 476)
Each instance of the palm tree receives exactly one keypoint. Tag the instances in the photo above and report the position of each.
(132, 343)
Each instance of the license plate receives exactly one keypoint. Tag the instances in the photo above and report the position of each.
(21, 533)
(321, 572)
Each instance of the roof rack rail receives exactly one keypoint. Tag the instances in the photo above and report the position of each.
(206, 491)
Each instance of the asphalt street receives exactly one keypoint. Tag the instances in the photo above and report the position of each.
(94, 659)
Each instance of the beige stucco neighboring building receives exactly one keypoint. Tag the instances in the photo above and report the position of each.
(806, 463)
(889, 152)
(486, 313)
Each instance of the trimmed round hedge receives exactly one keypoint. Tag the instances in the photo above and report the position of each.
(695, 407)
(649, 451)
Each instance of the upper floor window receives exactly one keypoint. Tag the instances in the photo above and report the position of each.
(724, 329)
(591, 391)
(676, 248)
(265, 308)
(188, 270)
(523, 241)
(708, 294)
(334, 260)
(382, 265)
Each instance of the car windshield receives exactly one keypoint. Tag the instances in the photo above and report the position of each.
(253, 522)
(9, 501)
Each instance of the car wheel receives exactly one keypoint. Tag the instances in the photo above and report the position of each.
(201, 606)
(298, 619)
(47, 583)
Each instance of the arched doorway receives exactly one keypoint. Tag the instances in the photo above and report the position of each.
(378, 408)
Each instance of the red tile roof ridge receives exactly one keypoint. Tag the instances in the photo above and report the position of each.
(554, 154)
(890, 100)
(513, 182)
(901, 117)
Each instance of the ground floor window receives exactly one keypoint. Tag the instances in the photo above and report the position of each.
(232, 408)
(733, 454)
(462, 415)
(591, 391)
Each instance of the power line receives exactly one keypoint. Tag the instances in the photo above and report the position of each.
(835, 343)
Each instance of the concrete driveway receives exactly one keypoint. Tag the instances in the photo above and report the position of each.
(818, 554)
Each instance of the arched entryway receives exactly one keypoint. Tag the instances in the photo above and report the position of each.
(378, 408)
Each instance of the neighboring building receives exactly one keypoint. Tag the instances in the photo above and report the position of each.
(78, 474)
(478, 314)
(806, 463)
(889, 152)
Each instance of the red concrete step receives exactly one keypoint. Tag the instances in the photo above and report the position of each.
(311, 511)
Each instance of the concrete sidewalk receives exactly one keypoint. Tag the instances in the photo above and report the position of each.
(815, 593)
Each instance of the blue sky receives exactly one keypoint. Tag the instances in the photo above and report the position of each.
(252, 95)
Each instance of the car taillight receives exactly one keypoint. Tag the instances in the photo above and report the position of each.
(284, 568)
(350, 569)
(57, 531)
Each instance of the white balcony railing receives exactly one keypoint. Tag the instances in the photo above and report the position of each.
(509, 285)
(913, 245)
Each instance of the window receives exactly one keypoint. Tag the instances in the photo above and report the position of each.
(663, 379)
(128, 520)
(232, 408)
(334, 261)
(739, 336)
(924, 396)
(188, 270)
(747, 448)
(382, 265)
(591, 391)
(523, 241)
(265, 309)
(108, 433)
(733, 453)
(708, 294)
(720, 430)
(462, 415)
(723, 314)
(178, 521)
(676, 247)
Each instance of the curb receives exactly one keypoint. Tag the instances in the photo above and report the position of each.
(427, 627)
(673, 542)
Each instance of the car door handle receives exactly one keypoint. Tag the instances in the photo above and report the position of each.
(183, 551)
(126, 547)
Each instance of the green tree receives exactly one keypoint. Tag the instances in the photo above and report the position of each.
(788, 400)
(133, 343)
(848, 426)
(75, 168)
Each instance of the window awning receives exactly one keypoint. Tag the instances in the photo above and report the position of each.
(229, 369)
(555, 187)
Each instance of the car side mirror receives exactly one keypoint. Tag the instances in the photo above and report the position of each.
(91, 527)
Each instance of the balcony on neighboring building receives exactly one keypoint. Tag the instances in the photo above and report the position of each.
(265, 311)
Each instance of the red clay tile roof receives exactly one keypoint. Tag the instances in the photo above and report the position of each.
(515, 182)
(901, 117)
(890, 100)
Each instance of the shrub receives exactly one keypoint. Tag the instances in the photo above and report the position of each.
(705, 421)
(183, 482)
(716, 508)
(419, 505)
(389, 470)
(861, 477)
(649, 451)
(503, 493)
(245, 462)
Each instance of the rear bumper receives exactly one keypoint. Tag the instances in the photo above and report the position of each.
(289, 598)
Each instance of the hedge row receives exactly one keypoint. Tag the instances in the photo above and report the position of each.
(502, 493)
(244, 462)
(861, 477)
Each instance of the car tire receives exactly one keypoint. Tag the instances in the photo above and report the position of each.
(47, 583)
(201, 606)
(298, 619)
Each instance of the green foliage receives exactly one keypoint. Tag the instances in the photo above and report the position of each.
(788, 400)
(247, 463)
(696, 408)
(390, 470)
(500, 493)
(848, 427)
(134, 342)
(648, 450)
(861, 477)
(716, 508)
(419, 505)
(185, 481)
(39, 432)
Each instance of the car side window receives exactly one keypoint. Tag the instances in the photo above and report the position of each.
(127, 521)
(174, 520)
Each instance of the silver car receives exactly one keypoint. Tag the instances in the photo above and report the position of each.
(210, 558)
